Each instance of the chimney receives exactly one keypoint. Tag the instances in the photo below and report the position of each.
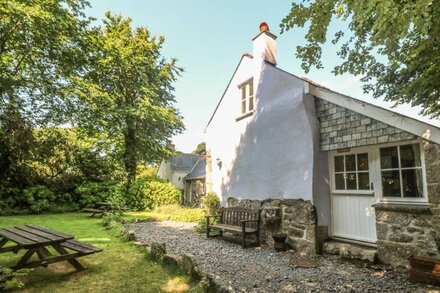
(265, 45)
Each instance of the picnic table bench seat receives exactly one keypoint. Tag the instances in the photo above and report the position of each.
(94, 211)
(81, 247)
(237, 220)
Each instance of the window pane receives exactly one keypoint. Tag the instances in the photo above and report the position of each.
(388, 158)
(351, 181)
(362, 162)
(251, 103)
(243, 106)
(364, 181)
(350, 163)
(339, 181)
(412, 183)
(410, 156)
(339, 164)
(251, 88)
(391, 184)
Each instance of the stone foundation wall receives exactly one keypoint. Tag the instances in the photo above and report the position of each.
(295, 217)
(404, 230)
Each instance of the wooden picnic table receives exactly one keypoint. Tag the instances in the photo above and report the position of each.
(102, 208)
(35, 239)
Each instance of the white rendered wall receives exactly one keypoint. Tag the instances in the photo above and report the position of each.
(271, 153)
(177, 179)
(165, 171)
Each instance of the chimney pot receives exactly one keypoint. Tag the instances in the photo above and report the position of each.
(264, 26)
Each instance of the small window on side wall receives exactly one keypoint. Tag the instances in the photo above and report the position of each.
(401, 171)
(247, 97)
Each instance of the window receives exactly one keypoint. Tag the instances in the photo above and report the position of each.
(401, 171)
(247, 97)
(351, 172)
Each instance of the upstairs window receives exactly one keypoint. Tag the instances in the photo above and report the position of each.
(247, 97)
(401, 171)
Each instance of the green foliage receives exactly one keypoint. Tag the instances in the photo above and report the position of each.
(211, 206)
(8, 278)
(200, 149)
(394, 45)
(211, 203)
(127, 93)
(148, 193)
(92, 192)
(39, 199)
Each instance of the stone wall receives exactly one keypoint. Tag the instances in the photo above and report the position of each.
(295, 217)
(194, 192)
(404, 230)
(343, 128)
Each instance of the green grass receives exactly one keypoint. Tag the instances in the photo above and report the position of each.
(169, 212)
(120, 267)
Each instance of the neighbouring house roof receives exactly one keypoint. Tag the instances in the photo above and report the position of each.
(184, 162)
(198, 171)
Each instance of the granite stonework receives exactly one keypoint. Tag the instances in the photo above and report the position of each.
(295, 217)
(404, 229)
(343, 128)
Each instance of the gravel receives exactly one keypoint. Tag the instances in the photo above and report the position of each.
(264, 270)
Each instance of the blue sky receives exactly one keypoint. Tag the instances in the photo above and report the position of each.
(209, 37)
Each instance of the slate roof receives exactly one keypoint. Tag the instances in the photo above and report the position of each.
(184, 162)
(199, 170)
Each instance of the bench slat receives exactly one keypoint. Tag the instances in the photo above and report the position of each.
(24, 242)
(53, 232)
(90, 210)
(40, 233)
(81, 247)
(33, 237)
(231, 228)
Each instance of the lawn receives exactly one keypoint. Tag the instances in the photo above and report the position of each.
(121, 267)
(168, 212)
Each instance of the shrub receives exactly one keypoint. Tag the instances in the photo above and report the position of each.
(92, 192)
(148, 193)
(211, 202)
(39, 199)
(211, 205)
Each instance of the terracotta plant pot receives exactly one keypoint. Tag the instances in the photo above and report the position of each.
(280, 241)
(425, 269)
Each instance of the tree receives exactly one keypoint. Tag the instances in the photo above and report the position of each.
(200, 149)
(128, 94)
(42, 45)
(393, 45)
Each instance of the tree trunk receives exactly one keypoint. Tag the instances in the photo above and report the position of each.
(130, 158)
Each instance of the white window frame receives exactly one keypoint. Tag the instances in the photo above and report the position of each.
(248, 97)
(424, 198)
(376, 173)
(360, 150)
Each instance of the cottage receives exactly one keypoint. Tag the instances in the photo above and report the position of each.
(327, 165)
(187, 173)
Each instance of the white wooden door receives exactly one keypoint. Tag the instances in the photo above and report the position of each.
(353, 196)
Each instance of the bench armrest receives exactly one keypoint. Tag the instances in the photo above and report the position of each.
(211, 216)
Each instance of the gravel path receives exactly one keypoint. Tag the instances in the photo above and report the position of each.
(264, 270)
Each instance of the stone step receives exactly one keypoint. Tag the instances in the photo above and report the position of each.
(349, 250)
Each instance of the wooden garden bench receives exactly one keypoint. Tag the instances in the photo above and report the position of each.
(237, 220)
